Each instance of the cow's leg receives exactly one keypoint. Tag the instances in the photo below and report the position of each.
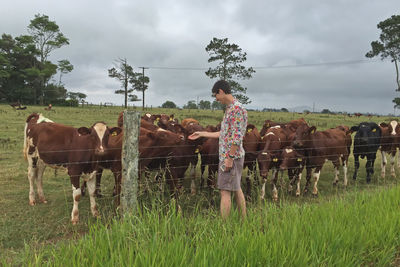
(274, 182)
(398, 157)
(292, 177)
(368, 168)
(309, 173)
(392, 160)
(39, 182)
(32, 175)
(99, 173)
(345, 172)
(117, 178)
(356, 166)
(263, 187)
(91, 184)
(202, 170)
(76, 196)
(383, 164)
(317, 173)
(336, 179)
(298, 184)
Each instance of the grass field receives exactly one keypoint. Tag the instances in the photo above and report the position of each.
(26, 229)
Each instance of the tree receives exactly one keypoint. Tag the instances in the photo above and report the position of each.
(216, 105)
(64, 66)
(55, 94)
(396, 102)
(19, 74)
(129, 79)
(325, 111)
(191, 104)
(134, 98)
(168, 104)
(229, 58)
(47, 37)
(124, 73)
(25, 70)
(284, 110)
(388, 45)
(76, 96)
(140, 83)
(204, 104)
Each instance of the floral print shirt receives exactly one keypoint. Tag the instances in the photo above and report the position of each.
(233, 129)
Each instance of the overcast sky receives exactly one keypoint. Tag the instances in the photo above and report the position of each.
(279, 37)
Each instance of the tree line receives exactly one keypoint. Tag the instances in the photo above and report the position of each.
(26, 73)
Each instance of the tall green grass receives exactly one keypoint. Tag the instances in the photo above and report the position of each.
(356, 229)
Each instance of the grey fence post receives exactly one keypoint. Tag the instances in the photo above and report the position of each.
(130, 161)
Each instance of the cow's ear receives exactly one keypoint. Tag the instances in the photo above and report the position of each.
(376, 129)
(250, 126)
(312, 129)
(115, 131)
(84, 130)
(354, 128)
(384, 124)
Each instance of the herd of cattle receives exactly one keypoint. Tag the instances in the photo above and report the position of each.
(164, 145)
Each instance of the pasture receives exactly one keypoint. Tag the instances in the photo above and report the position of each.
(46, 228)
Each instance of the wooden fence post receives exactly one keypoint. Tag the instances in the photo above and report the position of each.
(130, 161)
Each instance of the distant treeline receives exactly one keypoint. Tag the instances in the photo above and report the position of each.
(26, 73)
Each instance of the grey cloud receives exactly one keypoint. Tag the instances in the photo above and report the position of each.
(175, 33)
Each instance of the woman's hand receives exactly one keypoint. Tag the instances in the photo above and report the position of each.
(194, 135)
(228, 164)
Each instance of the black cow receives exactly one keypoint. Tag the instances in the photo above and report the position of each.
(366, 143)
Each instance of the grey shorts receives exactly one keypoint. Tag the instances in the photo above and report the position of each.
(230, 181)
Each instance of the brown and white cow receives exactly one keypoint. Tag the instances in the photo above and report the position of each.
(389, 142)
(56, 145)
(319, 146)
(273, 142)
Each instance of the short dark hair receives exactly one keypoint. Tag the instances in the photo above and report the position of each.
(223, 85)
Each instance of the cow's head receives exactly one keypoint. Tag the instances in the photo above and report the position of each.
(303, 135)
(394, 128)
(163, 121)
(291, 159)
(270, 155)
(367, 131)
(98, 136)
(190, 129)
(264, 163)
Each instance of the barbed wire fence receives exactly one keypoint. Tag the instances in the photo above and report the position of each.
(132, 183)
